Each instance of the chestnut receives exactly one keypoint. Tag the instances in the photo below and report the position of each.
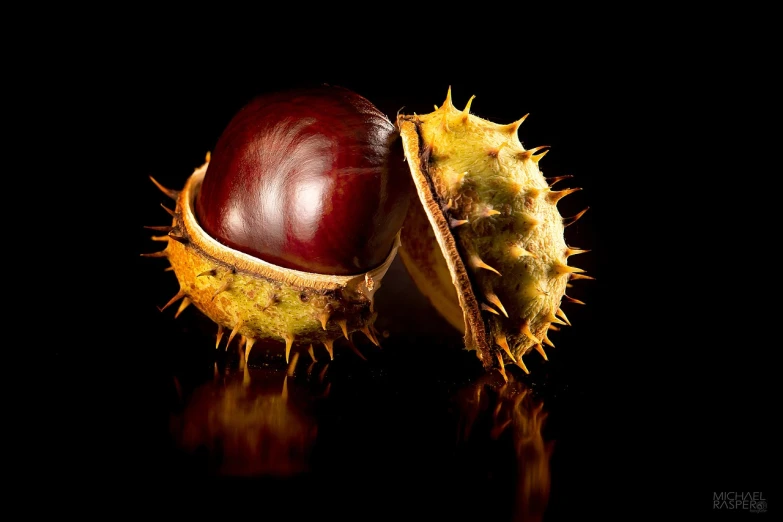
(311, 179)
(289, 227)
(288, 230)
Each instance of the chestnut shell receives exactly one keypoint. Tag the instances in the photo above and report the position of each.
(312, 179)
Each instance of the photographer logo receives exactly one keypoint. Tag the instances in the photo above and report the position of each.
(752, 501)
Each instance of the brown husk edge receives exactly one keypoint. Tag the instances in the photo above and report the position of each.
(475, 337)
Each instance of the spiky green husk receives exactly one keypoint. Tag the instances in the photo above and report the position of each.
(508, 234)
(257, 300)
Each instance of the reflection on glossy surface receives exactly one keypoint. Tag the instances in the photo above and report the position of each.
(265, 421)
(508, 410)
(246, 422)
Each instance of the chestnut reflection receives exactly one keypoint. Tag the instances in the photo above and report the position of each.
(502, 419)
(251, 422)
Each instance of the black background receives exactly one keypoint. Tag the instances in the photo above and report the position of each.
(658, 396)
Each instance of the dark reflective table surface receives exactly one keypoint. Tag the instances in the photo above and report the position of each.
(262, 424)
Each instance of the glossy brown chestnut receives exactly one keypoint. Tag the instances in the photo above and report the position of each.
(312, 179)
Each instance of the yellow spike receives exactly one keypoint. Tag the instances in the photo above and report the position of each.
(487, 212)
(324, 317)
(173, 194)
(454, 223)
(540, 349)
(488, 308)
(476, 262)
(533, 192)
(546, 337)
(174, 299)
(529, 219)
(554, 328)
(574, 251)
(496, 151)
(209, 156)
(436, 106)
(561, 268)
(292, 364)
(329, 343)
(500, 340)
(466, 110)
(226, 283)
(502, 366)
(160, 238)
(556, 195)
(492, 298)
(514, 186)
(582, 276)
(563, 316)
(185, 303)
(539, 157)
(284, 391)
(242, 340)
(552, 181)
(552, 318)
(171, 212)
(366, 331)
(344, 327)
(445, 121)
(162, 253)
(168, 269)
(526, 330)
(573, 219)
(311, 351)
(521, 364)
(234, 331)
(528, 154)
(249, 346)
(512, 128)
(165, 228)
(448, 103)
(518, 251)
(210, 272)
(219, 335)
(289, 341)
(572, 300)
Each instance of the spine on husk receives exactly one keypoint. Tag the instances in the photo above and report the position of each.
(496, 223)
(252, 299)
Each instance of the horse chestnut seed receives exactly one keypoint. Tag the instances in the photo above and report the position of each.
(288, 229)
(312, 179)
